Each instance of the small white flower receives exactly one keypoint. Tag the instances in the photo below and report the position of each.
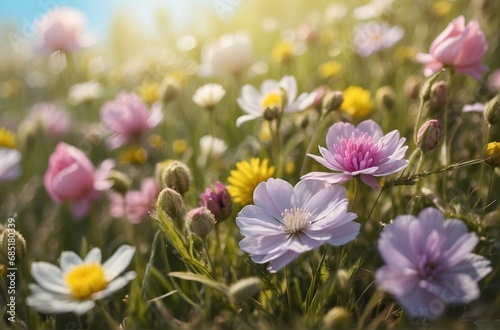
(85, 92)
(77, 284)
(9, 166)
(208, 95)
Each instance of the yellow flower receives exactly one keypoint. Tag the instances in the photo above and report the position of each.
(329, 69)
(441, 8)
(265, 132)
(179, 146)
(282, 52)
(155, 141)
(357, 102)
(133, 155)
(492, 154)
(7, 139)
(148, 91)
(245, 178)
(290, 167)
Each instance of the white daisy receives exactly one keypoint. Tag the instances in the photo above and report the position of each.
(255, 102)
(208, 95)
(77, 284)
(10, 167)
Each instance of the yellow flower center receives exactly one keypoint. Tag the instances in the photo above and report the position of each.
(133, 155)
(282, 52)
(7, 139)
(271, 100)
(85, 280)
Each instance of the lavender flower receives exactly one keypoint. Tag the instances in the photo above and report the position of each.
(361, 150)
(286, 221)
(218, 201)
(429, 263)
(373, 37)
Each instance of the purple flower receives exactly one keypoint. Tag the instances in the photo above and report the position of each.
(286, 221)
(361, 150)
(429, 263)
(218, 201)
(137, 203)
(373, 37)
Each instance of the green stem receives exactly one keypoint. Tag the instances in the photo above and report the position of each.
(147, 275)
(445, 148)
(372, 303)
(207, 253)
(355, 199)
(319, 128)
(418, 187)
(277, 141)
(110, 322)
(95, 228)
(483, 164)
(417, 122)
(485, 205)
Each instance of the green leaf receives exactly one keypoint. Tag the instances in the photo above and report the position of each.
(222, 288)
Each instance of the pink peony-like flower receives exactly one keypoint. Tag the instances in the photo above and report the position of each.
(128, 117)
(71, 177)
(286, 221)
(136, 204)
(63, 29)
(428, 263)
(460, 47)
(361, 150)
(54, 119)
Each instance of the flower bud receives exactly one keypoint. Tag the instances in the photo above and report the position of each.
(177, 176)
(429, 135)
(492, 110)
(332, 101)
(218, 201)
(244, 289)
(492, 154)
(121, 182)
(271, 113)
(341, 283)
(385, 97)
(337, 318)
(200, 221)
(425, 91)
(12, 245)
(411, 87)
(160, 167)
(439, 96)
(170, 202)
(169, 89)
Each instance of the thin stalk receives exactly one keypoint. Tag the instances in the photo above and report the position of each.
(483, 165)
(110, 322)
(418, 187)
(355, 199)
(319, 128)
(445, 148)
(207, 253)
(492, 177)
(95, 228)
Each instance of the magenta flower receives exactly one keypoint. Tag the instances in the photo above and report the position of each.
(361, 150)
(72, 177)
(286, 221)
(127, 117)
(429, 263)
(62, 28)
(137, 203)
(459, 47)
(218, 201)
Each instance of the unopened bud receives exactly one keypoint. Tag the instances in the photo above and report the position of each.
(411, 87)
(425, 91)
(244, 289)
(200, 221)
(170, 202)
(177, 176)
(342, 282)
(160, 167)
(218, 201)
(385, 97)
(121, 182)
(492, 154)
(169, 89)
(271, 114)
(337, 318)
(12, 245)
(332, 101)
(439, 96)
(429, 135)
(492, 110)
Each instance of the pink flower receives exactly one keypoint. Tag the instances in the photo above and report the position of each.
(127, 117)
(62, 29)
(429, 263)
(54, 119)
(458, 46)
(494, 80)
(137, 203)
(361, 150)
(72, 177)
(218, 201)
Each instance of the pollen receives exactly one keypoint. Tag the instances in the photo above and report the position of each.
(271, 100)
(85, 280)
(295, 220)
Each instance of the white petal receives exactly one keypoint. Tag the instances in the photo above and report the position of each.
(49, 277)
(115, 285)
(94, 255)
(118, 261)
(69, 259)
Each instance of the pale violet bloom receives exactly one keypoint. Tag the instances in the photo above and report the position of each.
(77, 284)
(476, 107)
(10, 167)
(429, 263)
(254, 102)
(371, 10)
(208, 95)
(286, 221)
(362, 151)
(372, 37)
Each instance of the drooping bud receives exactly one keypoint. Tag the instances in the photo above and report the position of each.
(170, 201)
(12, 245)
(425, 91)
(439, 96)
(332, 101)
(244, 289)
(121, 182)
(337, 318)
(492, 110)
(385, 98)
(218, 201)
(200, 221)
(429, 135)
(177, 176)
(169, 89)
(492, 154)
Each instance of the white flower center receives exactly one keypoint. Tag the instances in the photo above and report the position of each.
(295, 220)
